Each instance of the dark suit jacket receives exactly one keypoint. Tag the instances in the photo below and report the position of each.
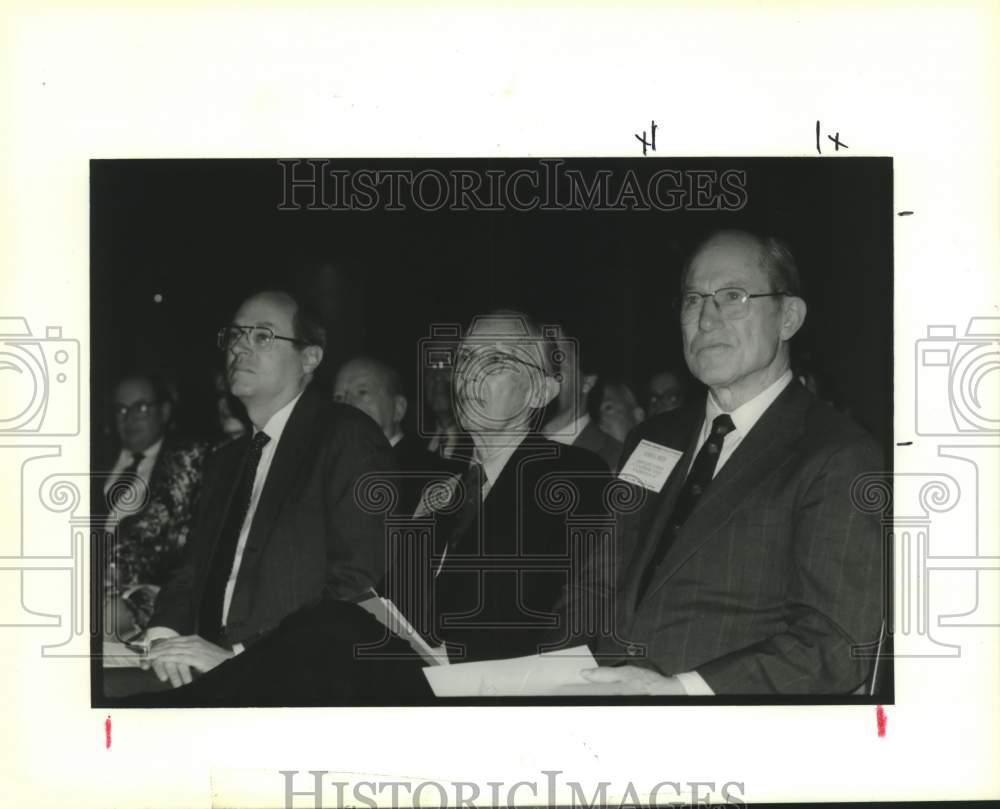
(596, 440)
(308, 539)
(507, 560)
(416, 465)
(775, 575)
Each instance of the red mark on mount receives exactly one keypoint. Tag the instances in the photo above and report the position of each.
(107, 733)
(880, 719)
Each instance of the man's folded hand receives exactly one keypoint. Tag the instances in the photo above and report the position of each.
(173, 658)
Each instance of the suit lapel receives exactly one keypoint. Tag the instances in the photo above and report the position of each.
(505, 490)
(760, 452)
(296, 439)
(682, 434)
(293, 448)
(227, 474)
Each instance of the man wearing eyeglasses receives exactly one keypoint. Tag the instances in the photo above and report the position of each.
(749, 570)
(149, 496)
(278, 527)
(503, 550)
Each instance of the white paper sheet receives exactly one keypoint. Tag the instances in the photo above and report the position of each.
(535, 675)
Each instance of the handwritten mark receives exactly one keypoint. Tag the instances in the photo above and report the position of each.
(880, 720)
(905, 213)
(835, 139)
(651, 143)
(107, 733)
(904, 443)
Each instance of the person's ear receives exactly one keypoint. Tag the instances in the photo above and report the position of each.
(166, 408)
(399, 408)
(587, 383)
(312, 356)
(793, 315)
(544, 394)
(639, 414)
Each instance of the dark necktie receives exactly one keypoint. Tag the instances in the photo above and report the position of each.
(213, 598)
(452, 526)
(122, 487)
(697, 481)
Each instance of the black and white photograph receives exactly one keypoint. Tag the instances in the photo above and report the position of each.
(494, 405)
(397, 432)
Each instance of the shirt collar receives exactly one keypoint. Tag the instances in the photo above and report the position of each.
(148, 454)
(494, 466)
(396, 439)
(748, 414)
(153, 450)
(276, 424)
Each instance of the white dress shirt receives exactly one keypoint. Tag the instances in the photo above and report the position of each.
(274, 428)
(744, 418)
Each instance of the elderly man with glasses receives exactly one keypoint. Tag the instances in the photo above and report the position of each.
(750, 569)
(278, 527)
(148, 497)
(511, 530)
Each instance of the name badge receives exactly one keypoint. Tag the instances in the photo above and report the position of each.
(650, 465)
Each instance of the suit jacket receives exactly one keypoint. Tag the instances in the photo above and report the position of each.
(593, 438)
(413, 461)
(309, 537)
(775, 575)
(508, 558)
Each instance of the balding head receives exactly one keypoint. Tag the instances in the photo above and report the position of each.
(373, 388)
(772, 255)
(737, 342)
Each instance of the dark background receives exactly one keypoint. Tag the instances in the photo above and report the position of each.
(203, 234)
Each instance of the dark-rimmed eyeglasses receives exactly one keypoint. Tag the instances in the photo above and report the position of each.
(259, 338)
(733, 303)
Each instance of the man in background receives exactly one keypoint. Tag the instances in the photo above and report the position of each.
(618, 411)
(374, 388)
(570, 423)
(149, 498)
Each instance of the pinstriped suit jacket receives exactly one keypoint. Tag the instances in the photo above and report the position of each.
(775, 575)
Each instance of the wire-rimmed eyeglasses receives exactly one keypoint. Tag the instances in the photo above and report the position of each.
(733, 303)
(259, 338)
(491, 359)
